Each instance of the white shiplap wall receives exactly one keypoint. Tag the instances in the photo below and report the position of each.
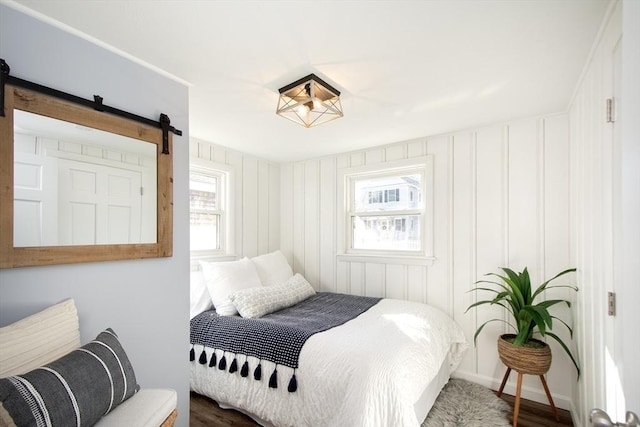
(256, 188)
(501, 197)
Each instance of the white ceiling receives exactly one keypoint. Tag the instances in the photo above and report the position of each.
(406, 69)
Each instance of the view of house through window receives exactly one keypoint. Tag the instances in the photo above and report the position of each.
(205, 210)
(386, 212)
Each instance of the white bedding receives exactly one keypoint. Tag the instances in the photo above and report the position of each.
(371, 371)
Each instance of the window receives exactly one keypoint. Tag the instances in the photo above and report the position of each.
(375, 197)
(205, 213)
(392, 195)
(209, 209)
(386, 209)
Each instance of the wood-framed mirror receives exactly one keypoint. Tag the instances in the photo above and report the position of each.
(79, 185)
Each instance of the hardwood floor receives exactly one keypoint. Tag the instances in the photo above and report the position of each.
(534, 414)
(204, 412)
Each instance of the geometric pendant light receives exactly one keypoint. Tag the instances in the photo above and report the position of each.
(309, 101)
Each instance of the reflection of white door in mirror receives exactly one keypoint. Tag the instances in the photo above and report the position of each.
(99, 186)
(98, 204)
(35, 200)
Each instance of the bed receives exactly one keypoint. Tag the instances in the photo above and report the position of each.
(384, 366)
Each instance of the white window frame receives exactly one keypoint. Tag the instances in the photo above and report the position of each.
(346, 187)
(225, 175)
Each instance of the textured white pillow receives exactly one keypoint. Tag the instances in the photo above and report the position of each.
(256, 302)
(273, 268)
(200, 298)
(224, 278)
(39, 339)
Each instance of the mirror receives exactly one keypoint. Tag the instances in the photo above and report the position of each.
(79, 185)
(75, 185)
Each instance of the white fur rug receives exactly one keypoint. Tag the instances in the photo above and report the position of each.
(465, 404)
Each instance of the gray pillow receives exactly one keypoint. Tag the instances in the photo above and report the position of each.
(75, 390)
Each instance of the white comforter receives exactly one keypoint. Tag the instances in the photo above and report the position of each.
(368, 372)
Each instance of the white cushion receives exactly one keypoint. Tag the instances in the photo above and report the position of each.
(147, 408)
(224, 278)
(39, 339)
(256, 302)
(200, 298)
(273, 268)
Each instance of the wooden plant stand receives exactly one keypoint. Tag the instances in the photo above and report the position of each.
(516, 408)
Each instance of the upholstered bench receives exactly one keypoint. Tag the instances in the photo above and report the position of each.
(41, 361)
(149, 407)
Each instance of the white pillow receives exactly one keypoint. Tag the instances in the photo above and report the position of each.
(256, 302)
(200, 298)
(273, 268)
(224, 278)
(39, 339)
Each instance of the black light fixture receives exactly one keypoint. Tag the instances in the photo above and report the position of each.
(309, 101)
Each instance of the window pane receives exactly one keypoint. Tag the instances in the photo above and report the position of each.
(203, 201)
(204, 231)
(387, 193)
(203, 191)
(398, 232)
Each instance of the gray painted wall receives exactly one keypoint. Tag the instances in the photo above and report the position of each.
(145, 301)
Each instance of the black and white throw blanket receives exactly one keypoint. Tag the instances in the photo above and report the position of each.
(277, 337)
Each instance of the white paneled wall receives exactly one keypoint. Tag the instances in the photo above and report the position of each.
(256, 191)
(501, 197)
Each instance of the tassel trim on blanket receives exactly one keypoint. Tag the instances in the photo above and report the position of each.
(222, 365)
(244, 371)
(257, 374)
(277, 337)
(273, 380)
(293, 383)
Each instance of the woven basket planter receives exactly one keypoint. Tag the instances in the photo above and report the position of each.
(532, 361)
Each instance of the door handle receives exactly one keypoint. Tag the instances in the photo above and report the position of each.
(599, 418)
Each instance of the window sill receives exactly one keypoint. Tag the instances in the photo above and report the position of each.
(204, 255)
(387, 259)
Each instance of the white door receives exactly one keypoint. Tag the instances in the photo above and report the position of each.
(35, 205)
(628, 245)
(622, 351)
(98, 204)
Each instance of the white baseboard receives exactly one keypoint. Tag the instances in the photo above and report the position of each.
(576, 416)
(529, 393)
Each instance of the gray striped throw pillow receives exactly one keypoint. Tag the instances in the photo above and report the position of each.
(75, 390)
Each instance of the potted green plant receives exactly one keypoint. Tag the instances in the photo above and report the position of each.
(521, 351)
